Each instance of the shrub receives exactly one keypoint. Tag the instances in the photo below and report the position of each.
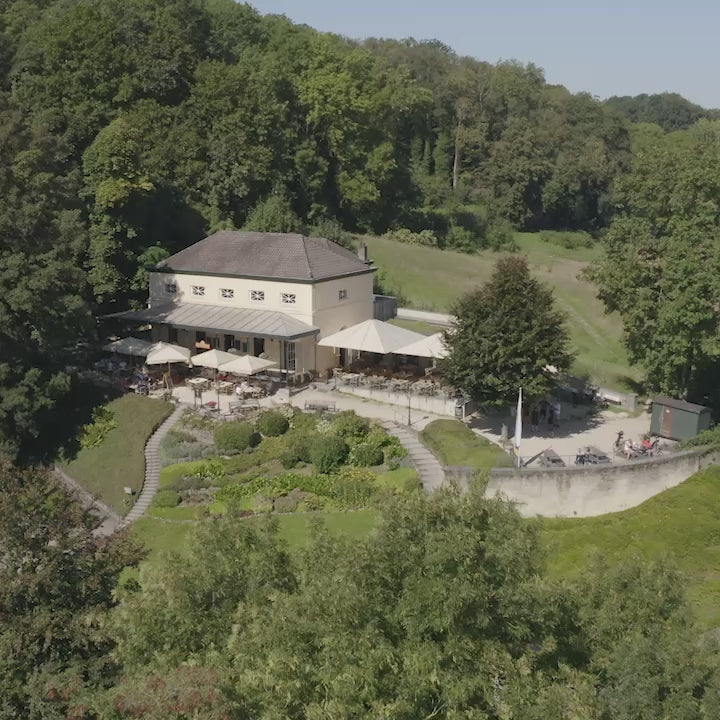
(273, 214)
(290, 458)
(328, 452)
(332, 230)
(273, 424)
(500, 235)
(403, 235)
(235, 437)
(286, 503)
(353, 487)
(103, 421)
(463, 240)
(303, 422)
(211, 470)
(194, 482)
(366, 454)
(348, 424)
(166, 499)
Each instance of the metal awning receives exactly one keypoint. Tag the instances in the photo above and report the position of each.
(236, 321)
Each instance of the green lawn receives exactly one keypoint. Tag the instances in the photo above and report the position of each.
(119, 461)
(417, 326)
(430, 279)
(455, 444)
(171, 533)
(682, 521)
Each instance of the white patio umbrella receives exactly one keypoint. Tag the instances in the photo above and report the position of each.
(372, 336)
(213, 359)
(247, 365)
(129, 346)
(431, 346)
(162, 352)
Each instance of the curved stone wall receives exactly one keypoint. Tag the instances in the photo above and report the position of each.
(591, 490)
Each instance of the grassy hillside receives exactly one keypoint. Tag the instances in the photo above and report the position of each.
(430, 279)
(119, 460)
(682, 521)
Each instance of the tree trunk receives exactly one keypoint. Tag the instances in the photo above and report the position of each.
(456, 159)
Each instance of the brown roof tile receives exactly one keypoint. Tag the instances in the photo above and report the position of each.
(284, 256)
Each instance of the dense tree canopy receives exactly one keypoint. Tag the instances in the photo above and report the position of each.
(661, 267)
(505, 336)
(444, 611)
(668, 110)
(56, 583)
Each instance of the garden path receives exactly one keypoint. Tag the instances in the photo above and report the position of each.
(152, 468)
(432, 476)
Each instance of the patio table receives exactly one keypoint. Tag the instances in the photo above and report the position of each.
(225, 387)
(351, 378)
(198, 382)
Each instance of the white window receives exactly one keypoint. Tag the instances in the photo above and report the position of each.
(227, 293)
(198, 290)
(342, 294)
(170, 288)
(257, 295)
(291, 357)
(288, 298)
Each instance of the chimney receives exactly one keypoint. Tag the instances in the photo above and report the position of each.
(363, 254)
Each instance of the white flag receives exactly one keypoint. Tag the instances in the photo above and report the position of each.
(518, 423)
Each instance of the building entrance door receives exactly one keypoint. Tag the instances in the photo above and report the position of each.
(229, 341)
(258, 346)
(666, 427)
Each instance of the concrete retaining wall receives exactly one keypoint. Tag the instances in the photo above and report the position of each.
(595, 490)
(424, 403)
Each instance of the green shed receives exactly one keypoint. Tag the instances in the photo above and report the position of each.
(677, 419)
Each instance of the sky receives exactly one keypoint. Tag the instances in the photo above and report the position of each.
(604, 48)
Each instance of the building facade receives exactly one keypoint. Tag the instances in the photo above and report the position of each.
(267, 294)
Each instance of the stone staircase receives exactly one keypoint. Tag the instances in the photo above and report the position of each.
(152, 468)
(432, 476)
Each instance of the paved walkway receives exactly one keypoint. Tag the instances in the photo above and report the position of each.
(152, 468)
(432, 476)
(111, 520)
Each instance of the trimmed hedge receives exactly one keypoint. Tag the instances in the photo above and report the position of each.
(235, 437)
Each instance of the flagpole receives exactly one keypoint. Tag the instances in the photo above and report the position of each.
(518, 427)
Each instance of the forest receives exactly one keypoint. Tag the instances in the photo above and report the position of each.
(131, 129)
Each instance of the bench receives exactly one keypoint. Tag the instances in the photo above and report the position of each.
(238, 405)
(320, 406)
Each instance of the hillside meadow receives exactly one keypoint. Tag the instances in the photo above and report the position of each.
(426, 278)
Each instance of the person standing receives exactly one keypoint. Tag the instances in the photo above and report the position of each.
(556, 414)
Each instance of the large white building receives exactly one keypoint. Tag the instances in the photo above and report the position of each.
(270, 294)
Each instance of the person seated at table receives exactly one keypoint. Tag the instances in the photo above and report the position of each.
(243, 388)
(629, 449)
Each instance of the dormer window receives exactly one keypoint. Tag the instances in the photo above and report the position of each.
(257, 295)
(288, 298)
(227, 293)
(170, 288)
(198, 290)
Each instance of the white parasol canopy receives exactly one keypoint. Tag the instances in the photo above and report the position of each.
(129, 346)
(246, 365)
(431, 346)
(162, 352)
(212, 359)
(372, 336)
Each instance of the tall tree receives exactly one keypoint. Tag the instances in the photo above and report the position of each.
(505, 335)
(57, 583)
(661, 265)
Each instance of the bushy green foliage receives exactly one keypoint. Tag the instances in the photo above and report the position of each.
(707, 438)
(103, 421)
(211, 470)
(348, 424)
(166, 499)
(366, 454)
(272, 424)
(274, 214)
(424, 237)
(332, 230)
(568, 240)
(328, 452)
(235, 437)
(514, 317)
